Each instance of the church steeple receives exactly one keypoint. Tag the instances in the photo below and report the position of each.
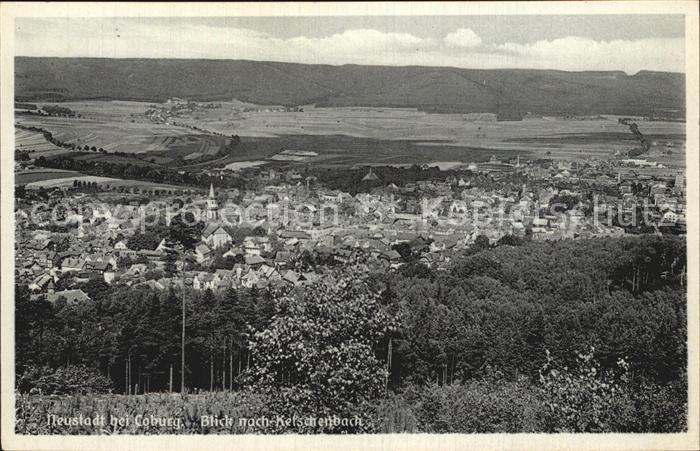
(212, 207)
(371, 176)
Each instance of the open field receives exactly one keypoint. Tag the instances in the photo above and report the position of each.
(122, 127)
(111, 136)
(236, 166)
(66, 182)
(342, 150)
(110, 158)
(546, 136)
(59, 178)
(353, 135)
(44, 174)
(35, 143)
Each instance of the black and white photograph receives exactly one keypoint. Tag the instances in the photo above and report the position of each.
(391, 224)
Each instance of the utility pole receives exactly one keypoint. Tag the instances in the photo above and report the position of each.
(129, 378)
(223, 368)
(388, 362)
(182, 362)
(170, 385)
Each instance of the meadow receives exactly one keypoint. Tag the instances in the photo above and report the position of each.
(34, 142)
(119, 127)
(42, 175)
(349, 136)
(134, 411)
(57, 178)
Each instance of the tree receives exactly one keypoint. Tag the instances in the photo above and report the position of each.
(33, 320)
(148, 240)
(481, 242)
(405, 250)
(95, 288)
(510, 240)
(186, 230)
(171, 258)
(587, 398)
(317, 356)
(75, 379)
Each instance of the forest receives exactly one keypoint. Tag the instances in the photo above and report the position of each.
(574, 335)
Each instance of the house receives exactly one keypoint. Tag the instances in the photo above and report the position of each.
(215, 236)
(250, 279)
(162, 246)
(41, 282)
(540, 222)
(150, 255)
(205, 281)
(202, 253)
(32, 266)
(268, 273)
(670, 217)
(292, 277)
(281, 258)
(458, 207)
(254, 260)
(226, 278)
(391, 256)
(137, 269)
(342, 255)
(152, 284)
(72, 264)
(120, 246)
(108, 276)
(294, 234)
(95, 261)
(256, 245)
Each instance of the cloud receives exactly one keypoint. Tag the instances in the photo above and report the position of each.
(464, 37)
(577, 53)
(141, 38)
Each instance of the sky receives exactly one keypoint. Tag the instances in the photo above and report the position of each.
(629, 43)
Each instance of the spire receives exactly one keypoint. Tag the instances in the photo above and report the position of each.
(212, 208)
(371, 176)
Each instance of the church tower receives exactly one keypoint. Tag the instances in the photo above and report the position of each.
(370, 177)
(212, 207)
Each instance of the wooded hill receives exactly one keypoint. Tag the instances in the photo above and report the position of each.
(510, 92)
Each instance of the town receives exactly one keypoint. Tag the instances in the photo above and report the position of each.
(288, 228)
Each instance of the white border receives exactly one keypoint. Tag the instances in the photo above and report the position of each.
(8, 11)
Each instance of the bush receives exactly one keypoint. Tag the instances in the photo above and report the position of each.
(72, 380)
(586, 398)
(661, 408)
(484, 406)
(394, 414)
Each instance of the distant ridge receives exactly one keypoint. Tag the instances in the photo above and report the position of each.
(510, 92)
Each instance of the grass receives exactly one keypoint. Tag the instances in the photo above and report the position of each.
(180, 414)
(343, 150)
(125, 414)
(43, 175)
(348, 136)
(30, 140)
(58, 178)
